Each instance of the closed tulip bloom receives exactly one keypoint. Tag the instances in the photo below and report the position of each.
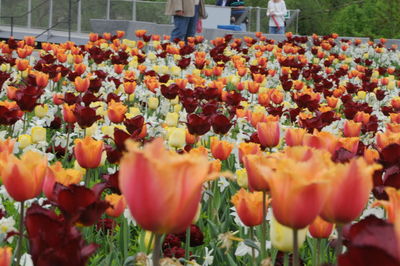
(249, 206)
(41, 79)
(294, 136)
(171, 119)
(220, 149)
(153, 103)
(299, 185)
(349, 191)
(282, 236)
(257, 167)
(129, 87)
(351, 128)
(320, 228)
(88, 152)
(41, 110)
(268, 133)
(5, 256)
(241, 178)
(81, 84)
(116, 111)
(7, 145)
(68, 113)
(38, 134)
(23, 178)
(56, 173)
(162, 189)
(24, 141)
(117, 203)
(248, 148)
(177, 137)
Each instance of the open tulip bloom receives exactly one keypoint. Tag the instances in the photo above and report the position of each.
(203, 152)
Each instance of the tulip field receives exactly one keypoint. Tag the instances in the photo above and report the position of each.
(210, 152)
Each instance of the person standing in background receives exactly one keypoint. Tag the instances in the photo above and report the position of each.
(276, 12)
(186, 14)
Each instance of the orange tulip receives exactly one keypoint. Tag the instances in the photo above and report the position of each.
(299, 185)
(22, 64)
(118, 205)
(30, 40)
(249, 206)
(5, 256)
(41, 79)
(56, 173)
(82, 84)
(80, 68)
(248, 148)
(387, 138)
(257, 170)
(351, 128)
(162, 189)
(88, 152)
(392, 206)
(321, 140)
(68, 113)
(23, 178)
(7, 145)
(116, 111)
(129, 87)
(93, 37)
(120, 34)
(294, 136)
(320, 228)
(140, 33)
(349, 191)
(118, 68)
(268, 133)
(332, 101)
(220, 149)
(371, 155)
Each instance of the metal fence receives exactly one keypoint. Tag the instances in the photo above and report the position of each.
(53, 14)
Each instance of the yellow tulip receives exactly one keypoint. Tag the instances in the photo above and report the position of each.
(171, 119)
(24, 141)
(153, 102)
(41, 110)
(241, 177)
(282, 236)
(177, 137)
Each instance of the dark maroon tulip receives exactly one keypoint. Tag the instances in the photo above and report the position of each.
(196, 236)
(80, 204)
(54, 242)
(8, 116)
(85, 116)
(220, 124)
(134, 125)
(169, 92)
(89, 98)
(197, 124)
(27, 97)
(112, 182)
(113, 154)
(184, 63)
(371, 241)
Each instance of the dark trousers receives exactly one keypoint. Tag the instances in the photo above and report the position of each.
(185, 26)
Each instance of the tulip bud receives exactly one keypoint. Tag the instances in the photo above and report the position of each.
(24, 141)
(171, 119)
(320, 228)
(282, 236)
(38, 134)
(117, 203)
(177, 137)
(41, 110)
(153, 103)
(5, 256)
(241, 177)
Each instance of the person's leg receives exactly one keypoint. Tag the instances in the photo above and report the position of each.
(272, 30)
(181, 24)
(191, 29)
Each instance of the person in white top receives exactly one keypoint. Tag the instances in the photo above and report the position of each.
(276, 12)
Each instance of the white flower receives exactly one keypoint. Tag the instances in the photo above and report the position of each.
(6, 226)
(243, 249)
(208, 258)
(222, 184)
(26, 260)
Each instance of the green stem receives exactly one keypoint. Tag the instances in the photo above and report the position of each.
(285, 259)
(263, 227)
(253, 253)
(295, 248)
(339, 246)
(317, 252)
(87, 177)
(187, 244)
(67, 144)
(21, 233)
(157, 250)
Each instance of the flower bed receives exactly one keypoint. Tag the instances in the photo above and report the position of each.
(222, 152)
